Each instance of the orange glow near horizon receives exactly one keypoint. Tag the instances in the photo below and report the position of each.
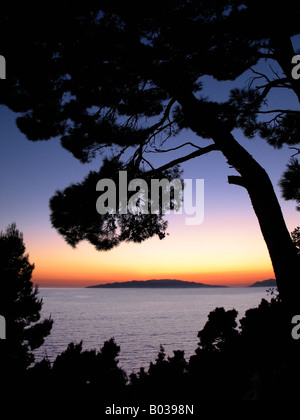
(189, 254)
(226, 249)
(227, 279)
(223, 278)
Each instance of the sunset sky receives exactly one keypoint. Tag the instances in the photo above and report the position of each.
(227, 248)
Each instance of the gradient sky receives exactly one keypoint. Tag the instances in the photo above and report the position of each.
(227, 248)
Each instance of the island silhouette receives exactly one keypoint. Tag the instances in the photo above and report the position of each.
(265, 283)
(160, 283)
(170, 284)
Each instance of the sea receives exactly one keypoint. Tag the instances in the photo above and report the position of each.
(140, 320)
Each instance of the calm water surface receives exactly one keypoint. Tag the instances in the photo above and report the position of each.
(139, 319)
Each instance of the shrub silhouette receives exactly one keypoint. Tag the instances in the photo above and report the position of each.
(148, 85)
(254, 360)
(20, 306)
(81, 374)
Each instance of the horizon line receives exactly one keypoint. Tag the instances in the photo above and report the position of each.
(95, 283)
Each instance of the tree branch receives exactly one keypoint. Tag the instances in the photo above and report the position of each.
(279, 83)
(261, 76)
(182, 159)
(164, 117)
(237, 180)
(279, 111)
(174, 148)
(148, 163)
(297, 149)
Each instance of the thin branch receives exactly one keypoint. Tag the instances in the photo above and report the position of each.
(164, 117)
(159, 130)
(279, 111)
(148, 163)
(261, 76)
(278, 83)
(276, 119)
(295, 148)
(158, 127)
(174, 148)
(122, 152)
(175, 162)
(129, 122)
(274, 72)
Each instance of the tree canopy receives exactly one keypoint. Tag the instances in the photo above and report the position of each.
(122, 80)
(19, 304)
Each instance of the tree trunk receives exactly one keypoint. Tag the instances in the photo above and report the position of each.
(254, 178)
(281, 248)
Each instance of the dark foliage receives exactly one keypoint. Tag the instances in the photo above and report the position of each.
(102, 77)
(121, 86)
(296, 238)
(74, 214)
(79, 374)
(253, 359)
(290, 182)
(21, 306)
